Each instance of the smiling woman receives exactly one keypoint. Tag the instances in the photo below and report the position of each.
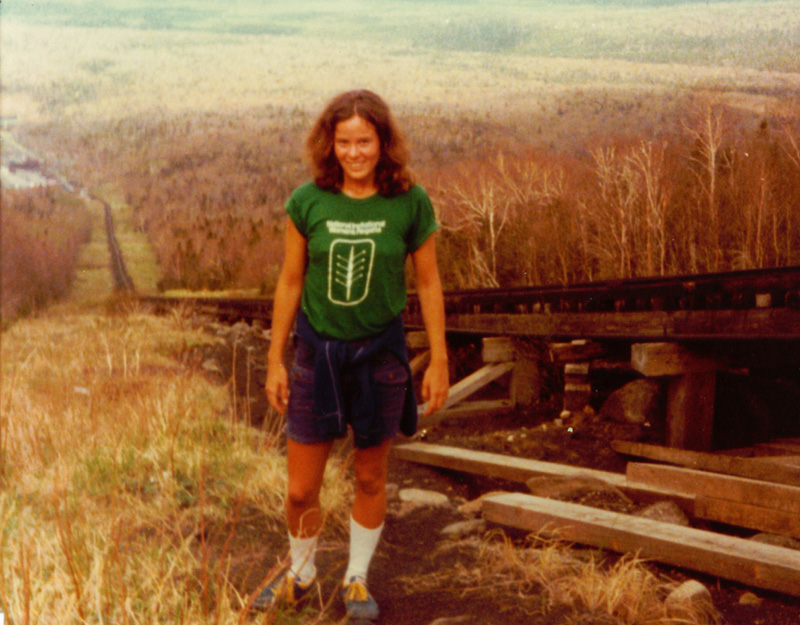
(358, 149)
(359, 116)
(347, 239)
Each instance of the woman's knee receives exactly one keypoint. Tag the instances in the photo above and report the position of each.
(302, 496)
(370, 481)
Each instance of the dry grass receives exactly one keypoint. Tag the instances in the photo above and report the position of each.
(548, 577)
(39, 260)
(118, 458)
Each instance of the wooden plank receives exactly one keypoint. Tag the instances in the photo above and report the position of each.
(653, 325)
(749, 562)
(784, 461)
(526, 381)
(476, 381)
(732, 488)
(690, 410)
(656, 359)
(754, 468)
(779, 447)
(419, 361)
(520, 470)
(417, 340)
(469, 409)
(748, 515)
(497, 349)
(576, 351)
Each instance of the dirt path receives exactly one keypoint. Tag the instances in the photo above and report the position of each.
(419, 575)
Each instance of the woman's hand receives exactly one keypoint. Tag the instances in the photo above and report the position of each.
(435, 385)
(277, 387)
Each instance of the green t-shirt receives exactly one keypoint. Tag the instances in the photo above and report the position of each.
(355, 280)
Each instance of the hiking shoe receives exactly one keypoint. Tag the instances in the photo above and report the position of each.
(359, 603)
(285, 591)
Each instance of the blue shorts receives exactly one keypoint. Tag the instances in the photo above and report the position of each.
(390, 378)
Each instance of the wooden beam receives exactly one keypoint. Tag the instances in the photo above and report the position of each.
(652, 325)
(748, 515)
(749, 562)
(793, 462)
(419, 361)
(732, 488)
(515, 469)
(657, 359)
(497, 349)
(476, 381)
(690, 410)
(780, 447)
(526, 381)
(753, 468)
(576, 351)
(417, 340)
(469, 409)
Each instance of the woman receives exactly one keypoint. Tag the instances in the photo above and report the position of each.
(347, 238)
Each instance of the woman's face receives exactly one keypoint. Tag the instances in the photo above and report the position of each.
(358, 149)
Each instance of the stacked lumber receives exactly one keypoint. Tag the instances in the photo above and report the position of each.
(756, 493)
(753, 493)
(737, 559)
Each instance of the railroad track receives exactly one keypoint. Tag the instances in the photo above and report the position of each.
(119, 271)
(759, 304)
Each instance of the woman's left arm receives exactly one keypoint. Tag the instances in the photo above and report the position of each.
(435, 383)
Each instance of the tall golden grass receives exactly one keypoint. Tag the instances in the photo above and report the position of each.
(42, 232)
(119, 461)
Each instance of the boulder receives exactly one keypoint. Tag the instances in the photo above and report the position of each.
(665, 511)
(639, 402)
(566, 488)
(750, 598)
(462, 529)
(779, 541)
(688, 598)
(422, 497)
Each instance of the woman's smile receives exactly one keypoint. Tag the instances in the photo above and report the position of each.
(358, 150)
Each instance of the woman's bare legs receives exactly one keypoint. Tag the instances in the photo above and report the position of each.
(370, 465)
(306, 470)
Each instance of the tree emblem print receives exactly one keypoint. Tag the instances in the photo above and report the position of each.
(349, 270)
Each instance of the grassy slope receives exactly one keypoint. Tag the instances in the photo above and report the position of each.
(108, 442)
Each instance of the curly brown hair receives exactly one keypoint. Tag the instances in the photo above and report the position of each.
(392, 176)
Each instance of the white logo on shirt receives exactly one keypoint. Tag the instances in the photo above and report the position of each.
(349, 270)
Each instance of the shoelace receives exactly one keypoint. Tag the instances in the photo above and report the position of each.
(286, 590)
(356, 591)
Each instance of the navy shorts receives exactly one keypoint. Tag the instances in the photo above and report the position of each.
(390, 377)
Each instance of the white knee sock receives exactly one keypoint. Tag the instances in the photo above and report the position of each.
(302, 552)
(362, 545)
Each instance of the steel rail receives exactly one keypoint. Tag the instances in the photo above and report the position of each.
(737, 305)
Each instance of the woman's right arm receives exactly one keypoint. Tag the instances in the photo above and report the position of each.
(284, 309)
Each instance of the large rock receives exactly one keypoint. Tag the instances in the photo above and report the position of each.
(666, 512)
(688, 598)
(566, 488)
(462, 529)
(422, 497)
(639, 402)
(779, 541)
